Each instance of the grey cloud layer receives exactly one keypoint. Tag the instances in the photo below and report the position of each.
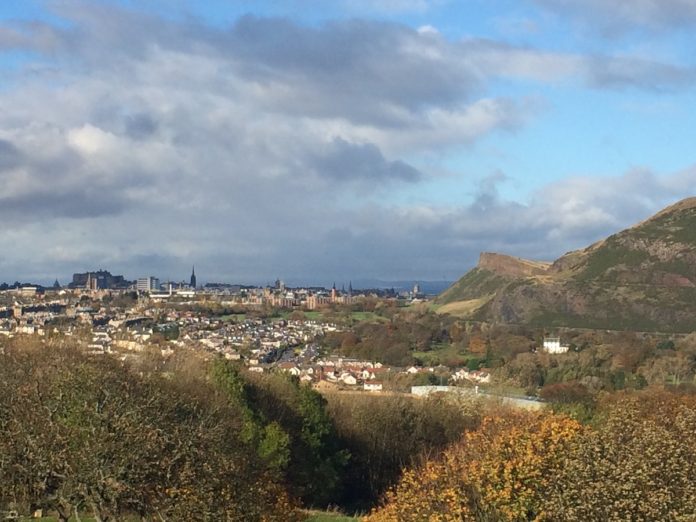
(618, 16)
(143, 144)
(596, 71)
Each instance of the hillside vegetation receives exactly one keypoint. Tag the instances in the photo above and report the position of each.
(637, 463)
(641, 279)
(186, 438)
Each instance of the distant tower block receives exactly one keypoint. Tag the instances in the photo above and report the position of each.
(193, 277)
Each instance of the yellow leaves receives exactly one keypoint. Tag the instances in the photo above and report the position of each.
(638, 463)
(498, 470)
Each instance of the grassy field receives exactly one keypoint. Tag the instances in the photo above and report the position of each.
(328, 516)
(442, 354)
(367, 316)
(461, 308)
(320, 315)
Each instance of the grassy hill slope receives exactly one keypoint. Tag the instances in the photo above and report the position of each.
(643, 278)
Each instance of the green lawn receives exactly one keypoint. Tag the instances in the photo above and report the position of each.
(329, 517)
(367, 316)
(319, 315)
(442, 354)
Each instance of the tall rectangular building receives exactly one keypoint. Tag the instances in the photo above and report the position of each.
(147, 284)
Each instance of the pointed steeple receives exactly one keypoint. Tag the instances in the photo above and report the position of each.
(193, 277)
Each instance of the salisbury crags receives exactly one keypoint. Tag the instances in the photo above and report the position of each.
(643, 278)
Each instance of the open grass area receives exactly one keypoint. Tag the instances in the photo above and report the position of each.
(329, 516)
(328, 315)
(367, 316)
(446, 354)
(462, 308)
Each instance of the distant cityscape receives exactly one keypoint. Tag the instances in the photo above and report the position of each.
(261, 325)
(277, 294)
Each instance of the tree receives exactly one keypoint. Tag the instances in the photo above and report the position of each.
(639, 464)
(90, 434)
(386, 434)
(499, 472)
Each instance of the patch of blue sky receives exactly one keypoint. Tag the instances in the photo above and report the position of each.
(580, 132)
(12, 63)
(21, 10)
(14, 58)
(30, 10)
(453, 19)
(215, 13)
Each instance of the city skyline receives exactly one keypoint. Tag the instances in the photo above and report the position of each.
(385, 140)
(80, 279)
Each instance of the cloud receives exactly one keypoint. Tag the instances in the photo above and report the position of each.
(497, 59)
(344, 162)
(561, 216)
(403, 5)
(142, 145)
(10, 156)
(618, 16)
(363, 7)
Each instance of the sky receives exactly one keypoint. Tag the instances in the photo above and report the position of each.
(334, 140)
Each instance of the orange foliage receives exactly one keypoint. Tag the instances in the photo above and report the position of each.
(499, 472)
(477, 344)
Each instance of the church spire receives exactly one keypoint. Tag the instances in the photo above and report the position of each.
(193, 277)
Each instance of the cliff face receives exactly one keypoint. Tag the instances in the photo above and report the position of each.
(643, 278)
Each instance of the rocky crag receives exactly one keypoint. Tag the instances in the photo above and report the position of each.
(642, 279)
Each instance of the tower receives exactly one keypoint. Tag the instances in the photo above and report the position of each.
(193, 278)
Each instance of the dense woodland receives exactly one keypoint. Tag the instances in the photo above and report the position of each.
(196, 438)
(635, 461)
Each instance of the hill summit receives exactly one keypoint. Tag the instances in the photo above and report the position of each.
(642, 278)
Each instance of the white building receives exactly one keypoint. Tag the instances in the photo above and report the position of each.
(553, 345)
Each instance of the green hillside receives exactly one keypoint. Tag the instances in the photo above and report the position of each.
(475, 284)
(642, 278)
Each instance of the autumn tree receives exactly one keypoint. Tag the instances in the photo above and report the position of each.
(501, 471)
(387, 434)
(638, 464)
